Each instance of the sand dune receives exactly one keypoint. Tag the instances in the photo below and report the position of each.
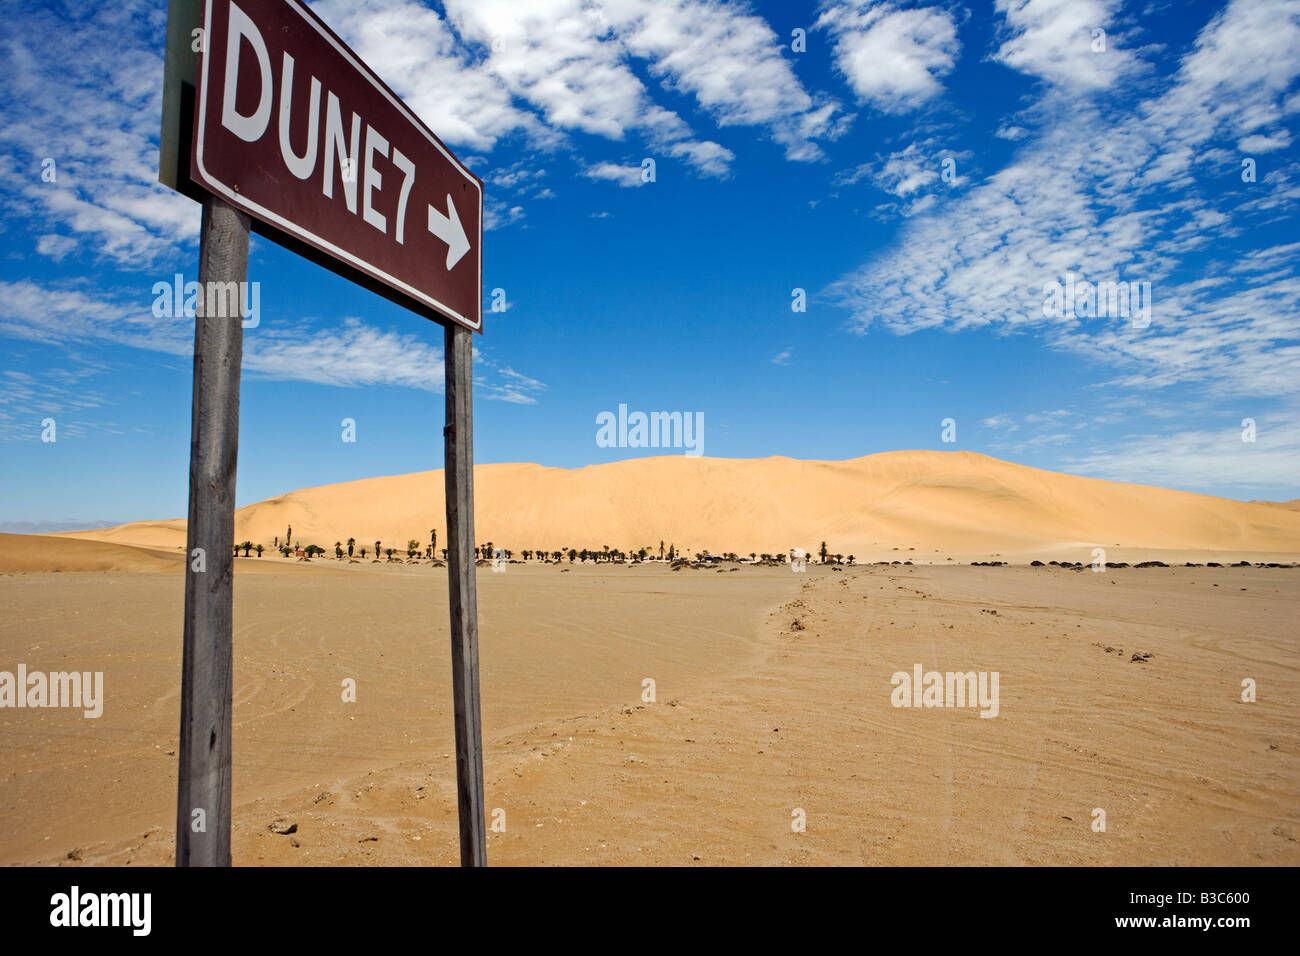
(939, 504)
(31, 552)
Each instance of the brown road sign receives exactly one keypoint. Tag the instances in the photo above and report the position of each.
(293, 129)
(275, 125)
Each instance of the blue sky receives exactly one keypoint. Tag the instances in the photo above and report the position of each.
(921, 171)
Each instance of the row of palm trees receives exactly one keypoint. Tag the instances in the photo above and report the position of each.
(286, 549)
(488, 551)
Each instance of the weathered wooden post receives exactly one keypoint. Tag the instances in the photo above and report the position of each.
(240, 163)
(203, 838)
(458, 441)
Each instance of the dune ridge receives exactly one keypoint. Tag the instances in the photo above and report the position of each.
(955, 503)
(30, 552)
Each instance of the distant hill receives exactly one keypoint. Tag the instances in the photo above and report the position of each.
(27, 552)
(956, 503)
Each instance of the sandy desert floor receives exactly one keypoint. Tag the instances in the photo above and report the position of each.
(773, 696)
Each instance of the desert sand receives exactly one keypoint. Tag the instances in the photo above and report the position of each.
(1119, 691)
(772, 696)
(937, 504)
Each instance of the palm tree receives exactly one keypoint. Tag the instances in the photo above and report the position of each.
(247, 546)
(338, 550)
(444, 554)
(823, 552)
(389, 554)
(851, 559)
(351, 543)
(839, 559)
(258, 549)
(573, 553)
(363, 553)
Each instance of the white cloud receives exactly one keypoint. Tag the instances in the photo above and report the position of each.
(893, 58)
(505, 384)
(905, 172)
(1055, 40)
(1113, 194)
(551, 56)
(549, 72)
(908, 175)
(98, 123)
(1196, 459)
(416, 52)
(548, 69)
(352, 354)
(731, 62)
(612, 172)
(709, 159)
(26, 399)
(1279, 139)
(1005, 422)
(55, 246)
(782, 357)
(515, 175)
(498, 215)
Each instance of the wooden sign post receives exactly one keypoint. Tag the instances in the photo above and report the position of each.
(458, 473)
(399, 215)
(203, 786)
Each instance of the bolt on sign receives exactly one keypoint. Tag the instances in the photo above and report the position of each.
(290, 127)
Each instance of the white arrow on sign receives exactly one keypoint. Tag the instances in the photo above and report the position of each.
(449, 230)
